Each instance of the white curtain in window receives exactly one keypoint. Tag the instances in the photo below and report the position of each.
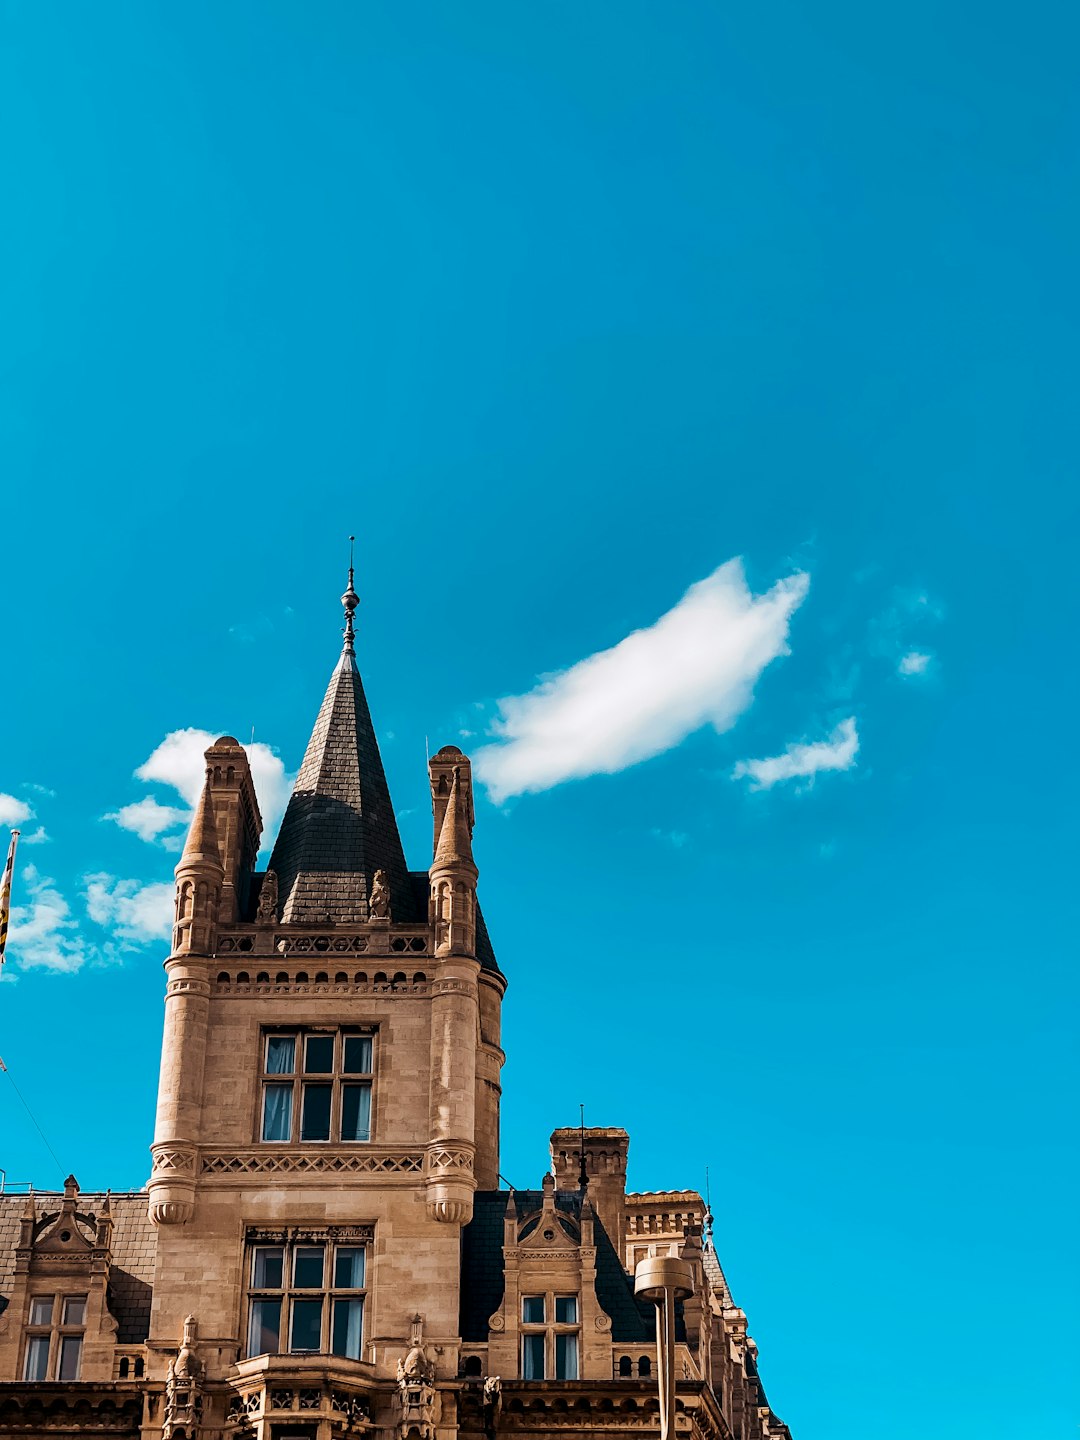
(277, 1112)
(280, 1055)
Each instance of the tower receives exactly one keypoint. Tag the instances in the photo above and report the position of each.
(323, 1250)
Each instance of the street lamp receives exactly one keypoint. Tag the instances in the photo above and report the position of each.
(663, 1280)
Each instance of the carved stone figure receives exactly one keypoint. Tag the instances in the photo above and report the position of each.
(492, 1405)
(183, 1388)
(417, 1396)
(379, 904)
(268, 898)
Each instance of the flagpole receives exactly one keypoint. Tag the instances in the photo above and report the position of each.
(5, 892)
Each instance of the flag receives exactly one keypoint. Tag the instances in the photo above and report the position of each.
(5, 893)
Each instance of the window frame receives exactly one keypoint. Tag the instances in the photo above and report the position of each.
(299, 1079)
(329, 1293)
(54, 1332)
(551, 1329)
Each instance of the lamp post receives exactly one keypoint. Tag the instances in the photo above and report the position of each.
(663, 1280)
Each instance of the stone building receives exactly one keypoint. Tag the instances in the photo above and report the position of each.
(323, 1249)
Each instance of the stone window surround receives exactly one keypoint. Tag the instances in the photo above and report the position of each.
(330, 1237)
(551, 1327)
(56, 1330)
(336, 1078)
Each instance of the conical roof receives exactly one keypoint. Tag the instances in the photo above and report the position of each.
(455, 837)
(202, 839)
(339, 828)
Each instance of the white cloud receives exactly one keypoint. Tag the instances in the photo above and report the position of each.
(913, 663)
(147, 819)
(43, 932)
(135, 913)
(697, 665)
(179, 762)
(13, 811)
(36, 837)
(804, 761)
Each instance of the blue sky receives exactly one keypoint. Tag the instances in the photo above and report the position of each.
(561, 309)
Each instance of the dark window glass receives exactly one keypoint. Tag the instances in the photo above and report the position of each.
(357, 1055)
(37, 1358)
(319, 1055)
(348, 1327)
(532, 1309)
(308, 1267)
(349, 1267)
(315, 1123)
(41, 1308)
(268, 1270)
(566, 1357)
(356, 1112)
(74, 1309)
(70, 1355)
(264, 1334)
(532, 1357)
(306, 1325)
(566, 1309)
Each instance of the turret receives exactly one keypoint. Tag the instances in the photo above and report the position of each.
(455, 1000)
(237, 822)
(199, 877)
(453, 871)
(198, 881)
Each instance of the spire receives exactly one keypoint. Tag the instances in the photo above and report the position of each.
(339, 828)
(455, 835)
(202, 839)
(350, 600)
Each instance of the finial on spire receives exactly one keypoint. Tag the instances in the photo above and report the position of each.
(350, 600)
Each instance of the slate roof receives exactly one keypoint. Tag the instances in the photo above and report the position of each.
(339, 827)
(632, 1320)
(134, 1246)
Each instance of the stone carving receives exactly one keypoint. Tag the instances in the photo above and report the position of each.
(268, 900)
(492, 1405)
(332, 1162)
(183, 1388)
(417, 1396)
(379, 904)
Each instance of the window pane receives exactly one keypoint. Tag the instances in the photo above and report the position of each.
(319, 1055)
(277, 1112)
(356, 1112)
(566, 1357)
(280, 1054)
(264, 1332)
(37, 1358)
(74, 1309)
(306, 1325)
(349, 1267)
(357, 1055)
(315, 1122)
(532, 1309)
(308, 1267)
(532, 1357)
(348, 1325)
(267, 1272)
(566, 1309)
(70, 1355)
(41, 1310)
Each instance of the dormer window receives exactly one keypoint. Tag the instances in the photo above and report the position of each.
(54, 1337)
(316, 1086)
(550, 1329)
